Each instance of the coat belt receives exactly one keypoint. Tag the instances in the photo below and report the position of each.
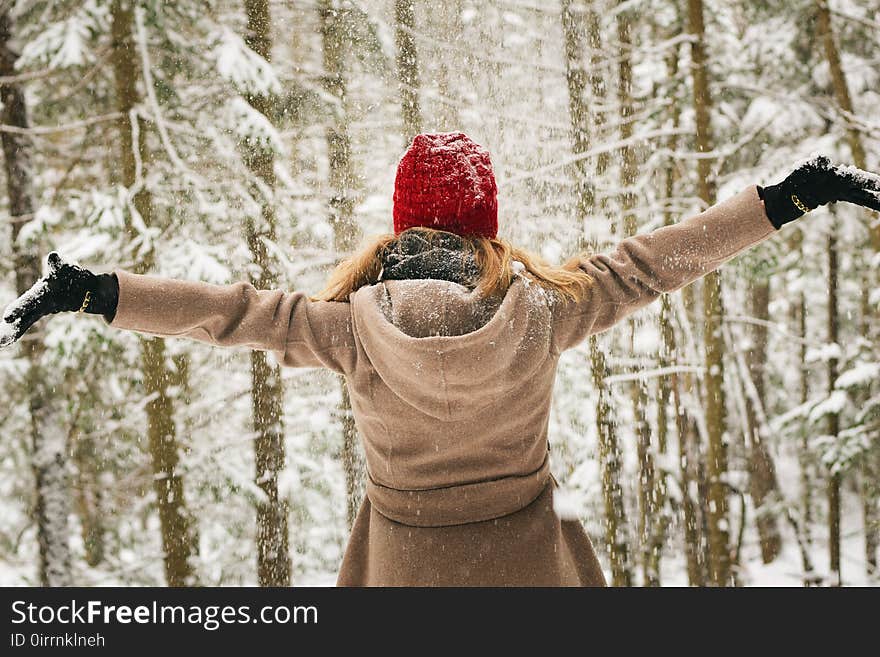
(460, 504)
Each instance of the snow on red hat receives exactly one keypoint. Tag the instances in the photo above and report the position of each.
(445, 181)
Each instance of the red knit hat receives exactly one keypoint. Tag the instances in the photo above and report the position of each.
(445, 181)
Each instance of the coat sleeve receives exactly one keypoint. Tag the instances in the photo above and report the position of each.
(300, 332)
(644, 266)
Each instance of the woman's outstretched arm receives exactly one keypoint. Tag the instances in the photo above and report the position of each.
(645, 266)
(301, 333)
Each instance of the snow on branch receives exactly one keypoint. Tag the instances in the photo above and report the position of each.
(252, 126)
(858, 375)
(64, 127)
(248, 71)
(656, 372)
(65, 44)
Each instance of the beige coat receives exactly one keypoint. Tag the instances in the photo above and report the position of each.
(451, 394)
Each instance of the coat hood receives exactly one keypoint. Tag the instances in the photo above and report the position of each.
(445, 350)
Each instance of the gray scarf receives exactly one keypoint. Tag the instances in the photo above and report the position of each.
(444, 258)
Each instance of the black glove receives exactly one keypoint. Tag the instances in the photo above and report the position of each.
(818, 182)
(66, 287)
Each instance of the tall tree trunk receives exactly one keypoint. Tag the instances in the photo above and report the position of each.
(667, 386)
(179, 542)
(834, 477)
(89, 495)
(670, 386)
(597, 78)
(691, 386)
(609, 447)
(840, 87)
(612, 467)
(870, 490)
(578, 111)
(805, 466)
(647, 483)
(869, 466)
(763, 487)
(267, 391)
(825, 32)
(408, 68)
(48, 444)
(719, 541)
(345, 230)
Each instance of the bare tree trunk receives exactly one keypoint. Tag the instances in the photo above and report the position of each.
(842, 95)
(48, 444)
(408, 68)
(578, 111)
(178, 528)
(609, 448)
(345, 230)
(670, 386)
(612, 466)
(807, 479)
(647, 484)
(719, 541)
(840, 86)
(868, 476)
(267, 391)
(805, 465)
(763, 486)
(89, 496)
(597, 80)
(870, 490)
(834, 514)
(834, 478)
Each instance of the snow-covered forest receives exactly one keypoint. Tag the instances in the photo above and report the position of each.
(728, 434)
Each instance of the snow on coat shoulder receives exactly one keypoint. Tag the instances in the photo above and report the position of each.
(442, 348)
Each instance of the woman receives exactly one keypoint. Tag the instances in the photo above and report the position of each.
(449, 339)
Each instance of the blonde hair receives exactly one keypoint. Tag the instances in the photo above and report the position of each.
(494, 257)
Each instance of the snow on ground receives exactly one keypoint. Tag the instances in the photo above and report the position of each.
(787, 569)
